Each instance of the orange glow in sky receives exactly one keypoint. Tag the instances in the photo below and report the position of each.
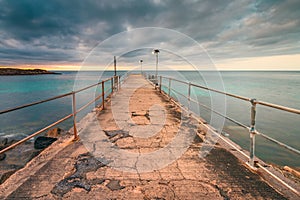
(280, 62)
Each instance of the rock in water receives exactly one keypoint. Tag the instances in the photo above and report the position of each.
(43, 142)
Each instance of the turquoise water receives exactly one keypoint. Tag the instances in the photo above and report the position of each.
(275, 87)
(19, 90)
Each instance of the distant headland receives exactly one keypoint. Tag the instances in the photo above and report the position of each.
(15, 71)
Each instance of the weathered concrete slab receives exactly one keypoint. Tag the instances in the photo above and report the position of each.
(140, 147)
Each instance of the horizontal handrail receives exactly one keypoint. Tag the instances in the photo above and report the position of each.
(251, 129)
(90, 86)
(253, 101)
(210, 89)
(240, 124)
(88, 104)
(279, 143)
(51, 99)
(206, 107)
(35, 103)
(229, 142)
(73, 114)
(226, 117)
(36, 133)
(279, 107)
(178, 93)
(220, 92)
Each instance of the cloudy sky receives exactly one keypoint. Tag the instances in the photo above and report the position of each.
(235, 34)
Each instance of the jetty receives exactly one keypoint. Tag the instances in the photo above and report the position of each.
(139, 144)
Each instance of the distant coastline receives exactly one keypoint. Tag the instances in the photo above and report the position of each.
(16, 71)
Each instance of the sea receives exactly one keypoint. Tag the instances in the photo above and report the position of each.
(277, 87)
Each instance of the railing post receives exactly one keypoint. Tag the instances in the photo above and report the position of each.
(169, 89)
(119, 82)
(252, 132)
(116, 82)
(189, 97)
(160, 82)
(112, 84)
(103, 95)
(74, 116)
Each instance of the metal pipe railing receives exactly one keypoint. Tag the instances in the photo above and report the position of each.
(102, 94)
(279, 107)
(252, 131)
(115, 83)
(35, 134)
(226, 117)
(74, 115)
(50, 99)
(35, 103)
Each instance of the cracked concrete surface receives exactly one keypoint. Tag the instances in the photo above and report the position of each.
(73, 172)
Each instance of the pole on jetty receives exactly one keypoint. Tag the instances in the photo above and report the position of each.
(160, 82)
(115, 65)
(189, 97)
(112, 83)
(116, 78)
(74, 116)
(103, 94)
(169, 89)
(252, 133)
(141, 61)
(156, 52)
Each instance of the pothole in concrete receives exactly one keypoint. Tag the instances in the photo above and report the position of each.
(84, 163)
(141, 118)
(115, 135)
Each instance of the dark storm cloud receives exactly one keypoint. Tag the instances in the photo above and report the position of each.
(66, 30)
(65, 24)
(29, 19)
(271, 29)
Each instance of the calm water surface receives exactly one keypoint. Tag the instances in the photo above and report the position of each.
(274, 87)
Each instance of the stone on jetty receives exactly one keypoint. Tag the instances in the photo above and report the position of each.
(43, 142)
(55, 133)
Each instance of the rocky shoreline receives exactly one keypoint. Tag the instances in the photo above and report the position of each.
(15, 71)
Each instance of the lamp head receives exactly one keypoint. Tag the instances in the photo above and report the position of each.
(155, 51)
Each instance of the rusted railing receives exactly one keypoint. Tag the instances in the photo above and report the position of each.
(252, 130)
(115, 84)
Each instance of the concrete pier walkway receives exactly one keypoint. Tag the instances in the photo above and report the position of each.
(141, 146)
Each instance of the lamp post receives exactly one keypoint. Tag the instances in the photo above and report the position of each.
(156, 52)
(141, 61)
(115, 65)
